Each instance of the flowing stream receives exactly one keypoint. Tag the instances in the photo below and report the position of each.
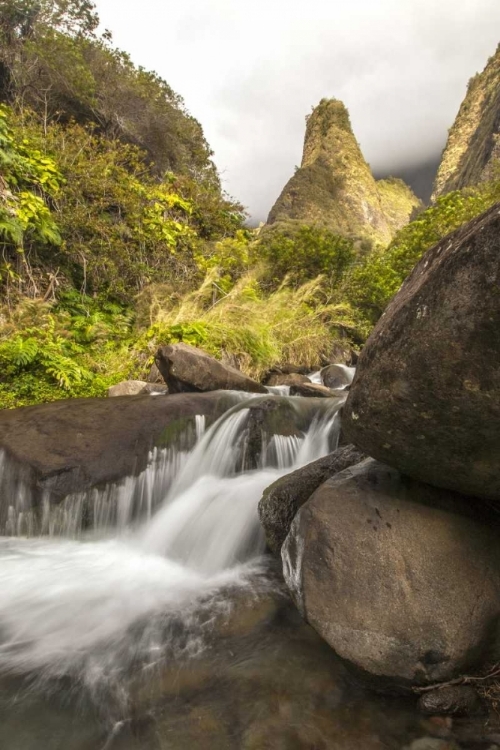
(90, 607)
(145, 615)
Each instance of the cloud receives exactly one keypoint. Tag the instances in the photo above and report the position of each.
(250, 71)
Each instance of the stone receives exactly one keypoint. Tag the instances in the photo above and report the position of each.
(187, 369)
(337, 376)
(313, 390)
(426, 395)
(127, 388)
(282, 499)
(398, 577)
(281, 378)
(452, 700)
(71, 445)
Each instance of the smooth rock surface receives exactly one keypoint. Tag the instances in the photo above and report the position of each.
(312, 390)
(127, 388)
(71, 445)
(188, 369)
(282, 499)
(282, 378)
(396, 579)
(426, 395)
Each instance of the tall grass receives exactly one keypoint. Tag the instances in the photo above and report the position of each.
(246, 327)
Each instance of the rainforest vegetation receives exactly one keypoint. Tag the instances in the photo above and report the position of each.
(116, 235)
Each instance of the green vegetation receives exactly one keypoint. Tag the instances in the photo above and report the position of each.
(374, 281)
(115, 235)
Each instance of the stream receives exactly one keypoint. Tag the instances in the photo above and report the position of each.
(161, 622)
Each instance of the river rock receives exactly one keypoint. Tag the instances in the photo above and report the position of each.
(452, 700)
(337, 376)
(127, 388)
(312, 390)
(426, 395)
(69, 446)
(282, 499)
(281, 378)
(396, 576)
(188, 369)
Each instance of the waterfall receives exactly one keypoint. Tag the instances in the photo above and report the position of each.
(163, 546)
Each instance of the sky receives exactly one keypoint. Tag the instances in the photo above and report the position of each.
(251, 70)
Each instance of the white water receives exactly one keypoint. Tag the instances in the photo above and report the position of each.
(90, 608)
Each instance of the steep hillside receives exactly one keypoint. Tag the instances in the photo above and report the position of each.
(473, 145)
(334, 185)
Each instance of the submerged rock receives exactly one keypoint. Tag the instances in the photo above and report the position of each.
(188, 369)
(395, 576)
(281, 501)
(426, 395)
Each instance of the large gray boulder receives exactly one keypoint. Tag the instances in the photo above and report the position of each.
(188, 369)
(426, 395)
(282, 499)
(396, 576)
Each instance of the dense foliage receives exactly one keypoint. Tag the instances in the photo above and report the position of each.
(115, 235)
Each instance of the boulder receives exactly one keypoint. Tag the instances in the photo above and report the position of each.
(398, 577)
(426, 395)
(156, 389)
(337, 376)
(312, 390)
(282, 499)
(187, 369)
(127, 388)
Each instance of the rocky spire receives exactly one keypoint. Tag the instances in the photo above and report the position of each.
(473, 148)
(334, 185)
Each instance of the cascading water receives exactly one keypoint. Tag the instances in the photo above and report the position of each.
(90, 607)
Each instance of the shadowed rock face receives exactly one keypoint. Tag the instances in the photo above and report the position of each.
(396, 576)
(426, 395)
(335, 186)
(473, 147)
(282, 500)
(188, 369)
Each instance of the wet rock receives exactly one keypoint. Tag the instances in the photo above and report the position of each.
(281, 378)
(127, 388)
(396, 576)
(454, 700)
(69, 446)
(188, 369)
(337, 376)
(281, 501)
(286, 369)
(312, 390)
(426, 396)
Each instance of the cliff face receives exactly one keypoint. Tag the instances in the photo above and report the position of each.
(473, 145)
(334, 185)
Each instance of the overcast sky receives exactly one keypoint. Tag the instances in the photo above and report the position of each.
(251, 70)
